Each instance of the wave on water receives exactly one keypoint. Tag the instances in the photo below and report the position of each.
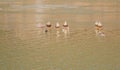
(42, 6)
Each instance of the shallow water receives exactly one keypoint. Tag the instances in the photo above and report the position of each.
(24, 46)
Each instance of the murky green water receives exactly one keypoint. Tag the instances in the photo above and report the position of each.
(23, 46)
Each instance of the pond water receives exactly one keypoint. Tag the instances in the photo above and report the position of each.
(24, 46)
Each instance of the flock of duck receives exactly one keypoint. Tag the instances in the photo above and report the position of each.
(65, 28)
(47, 28)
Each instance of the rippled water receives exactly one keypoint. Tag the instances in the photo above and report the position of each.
(24, 46)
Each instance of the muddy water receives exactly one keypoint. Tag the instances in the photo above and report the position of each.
(25, 46)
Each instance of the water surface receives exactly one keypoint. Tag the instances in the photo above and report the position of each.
(26, 47)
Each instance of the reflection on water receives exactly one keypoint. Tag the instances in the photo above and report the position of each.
(26, 46)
